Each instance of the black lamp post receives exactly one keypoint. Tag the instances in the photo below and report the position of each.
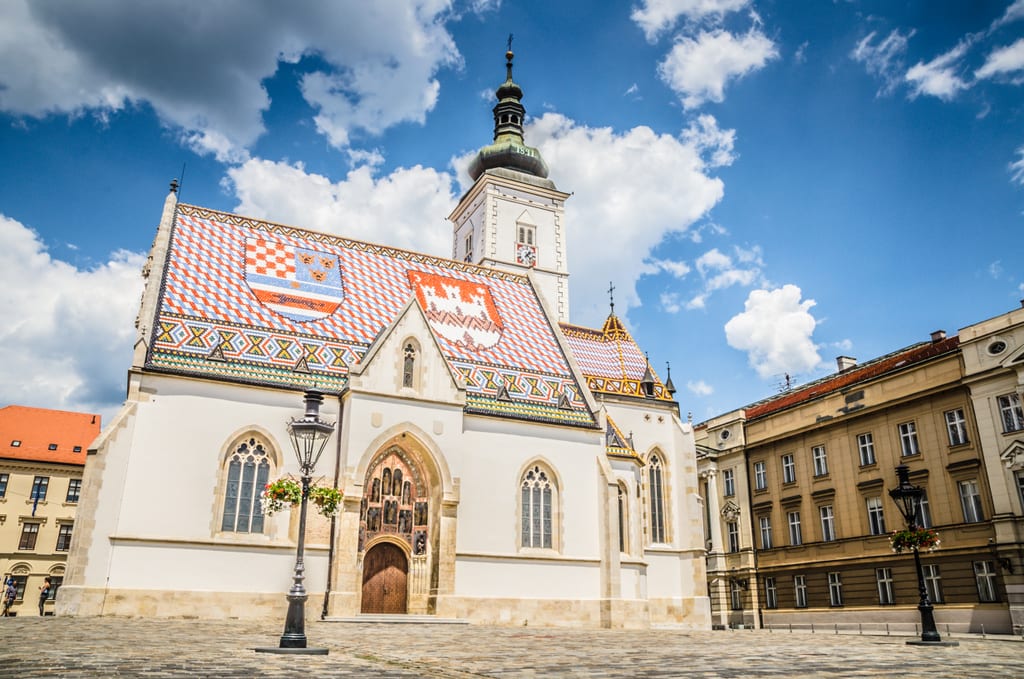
(309, 436)
(908, 500)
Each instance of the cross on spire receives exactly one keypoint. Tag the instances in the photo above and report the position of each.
(611, 296)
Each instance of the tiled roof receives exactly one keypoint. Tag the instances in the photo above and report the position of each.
(46, 435)
(897, 360)
(611, 360)
(251, 301)
(617, 445)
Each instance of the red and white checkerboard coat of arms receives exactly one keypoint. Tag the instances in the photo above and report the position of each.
(462, 312)
(298, 283)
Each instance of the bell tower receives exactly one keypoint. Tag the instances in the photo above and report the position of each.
(513, 216)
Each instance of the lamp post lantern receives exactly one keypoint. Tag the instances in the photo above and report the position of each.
(908, 500)
(309, 435)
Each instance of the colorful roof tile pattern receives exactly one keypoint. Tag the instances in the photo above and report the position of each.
(611, 360)
(251, 301)
(617, 445)
(893, 362)
(41, 435)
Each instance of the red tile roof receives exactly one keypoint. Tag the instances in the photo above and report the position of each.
(37, 430)
(890, 363)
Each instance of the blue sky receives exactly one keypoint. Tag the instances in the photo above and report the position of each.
(768, 184)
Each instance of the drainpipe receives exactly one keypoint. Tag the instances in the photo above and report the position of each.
(334, 519)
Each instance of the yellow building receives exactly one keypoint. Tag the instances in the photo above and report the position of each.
(42, 455)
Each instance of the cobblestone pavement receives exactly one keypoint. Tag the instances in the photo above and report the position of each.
(121, 647)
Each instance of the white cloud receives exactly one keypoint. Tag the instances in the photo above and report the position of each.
(676, 268)
(657, 16)
(719, 271)
(995, 269)
(775, 330)
(698, 69)
(713, 142)
(70, 331)
(884, 59)
(1017, 167)
(843, 345)
(938, 77)
(1009, 59)
(201, 65)
(670, 302)
(1013, 13)
(700, 388)
(405, 209)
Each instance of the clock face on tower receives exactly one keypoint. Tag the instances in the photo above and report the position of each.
(526, 254)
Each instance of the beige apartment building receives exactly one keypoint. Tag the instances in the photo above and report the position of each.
(796, 490)
(42, 456)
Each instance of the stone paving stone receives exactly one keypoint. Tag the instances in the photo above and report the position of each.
(109, 647)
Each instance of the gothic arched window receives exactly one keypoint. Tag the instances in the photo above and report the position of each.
(538, 499)
(656, 493)
(623, 523)
(247, 473)
(409, 366)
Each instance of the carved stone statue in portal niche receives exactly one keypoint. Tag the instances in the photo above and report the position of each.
(405, 521)
(396, 483)
(421, 514)
(406, 492)
(385, 482)
(419, 547)
(375, 493)
(390, 511)
(362, 509)
(373, 519)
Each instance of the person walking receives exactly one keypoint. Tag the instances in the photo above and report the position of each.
(10, 594)
(44, 594)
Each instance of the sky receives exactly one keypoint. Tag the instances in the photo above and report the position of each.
(768, 184)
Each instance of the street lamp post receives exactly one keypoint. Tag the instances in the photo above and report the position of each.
(908, 500)
(309, 435)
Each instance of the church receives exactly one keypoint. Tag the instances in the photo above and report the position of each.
(498, 464)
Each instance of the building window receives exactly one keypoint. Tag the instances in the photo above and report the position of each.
(766, 532)
(15, 443)
(883, 578)
(866, 446)
(74, 490)
(835, 589)
(729, 481)
(469, 248)
(1018, 475)
(55, 583)
(970, 501)
(409, 366)
(985, 576)
(760, 476)
(39, 486)
(876, 516)
(924, 515)
(29, 533)
(64, 537)
(820, 460)
(622, 519)
(538, 496)
(732, 529)
(526, 235)
(76, 449)
(248, 469)
(795, 535)
(908, 439)
(771, 593)
(828, 523)
(956, 427)
(1010, 410)
(657, 500)
(4, 478)
(788, 469)
(933, 582)
(736, 595)
(800, 588)
(52, 446)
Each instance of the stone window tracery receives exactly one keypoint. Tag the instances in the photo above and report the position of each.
(537, 509)
(248, 470)
(656, 491)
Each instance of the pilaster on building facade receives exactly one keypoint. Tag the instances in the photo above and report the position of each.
(806, 476)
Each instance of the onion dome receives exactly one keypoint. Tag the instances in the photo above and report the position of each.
(508, 150)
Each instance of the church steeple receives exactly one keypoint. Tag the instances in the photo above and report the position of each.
(509, 150)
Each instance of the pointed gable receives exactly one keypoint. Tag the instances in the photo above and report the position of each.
(254, 302)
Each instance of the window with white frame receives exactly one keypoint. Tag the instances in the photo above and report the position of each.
(800, 590)
(956, 427)
(64, 537)
(876, 516)
(765, 523)
(736, 595)
(933, 582)
(771, 593)
(760, 475)
(74, 490)
(866, 446)
(908, 439)
(732, 530)
(795, 534)
(537, 501)
(247, 473)
(883, 578)
(828, 523)
(835, 589)
(1010, 412)
(29, 534)
(788, 468)
(1020, 485)
(4, 478)
(40, 484)
(820, 460)
(970, 501)
(729, 483)
(656, 484)
(985, 577)
(924, 512)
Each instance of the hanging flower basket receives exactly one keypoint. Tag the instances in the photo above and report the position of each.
(924, 539)
(326, 499)
(287, 492)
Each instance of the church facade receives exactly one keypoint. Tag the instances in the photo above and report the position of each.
(498, 463)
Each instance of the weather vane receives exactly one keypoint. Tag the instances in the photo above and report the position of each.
(509, 42)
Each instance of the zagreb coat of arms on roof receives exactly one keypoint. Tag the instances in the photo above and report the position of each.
(462, 312)
(298, 283)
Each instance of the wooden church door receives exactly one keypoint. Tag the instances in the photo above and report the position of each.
(385, 579)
